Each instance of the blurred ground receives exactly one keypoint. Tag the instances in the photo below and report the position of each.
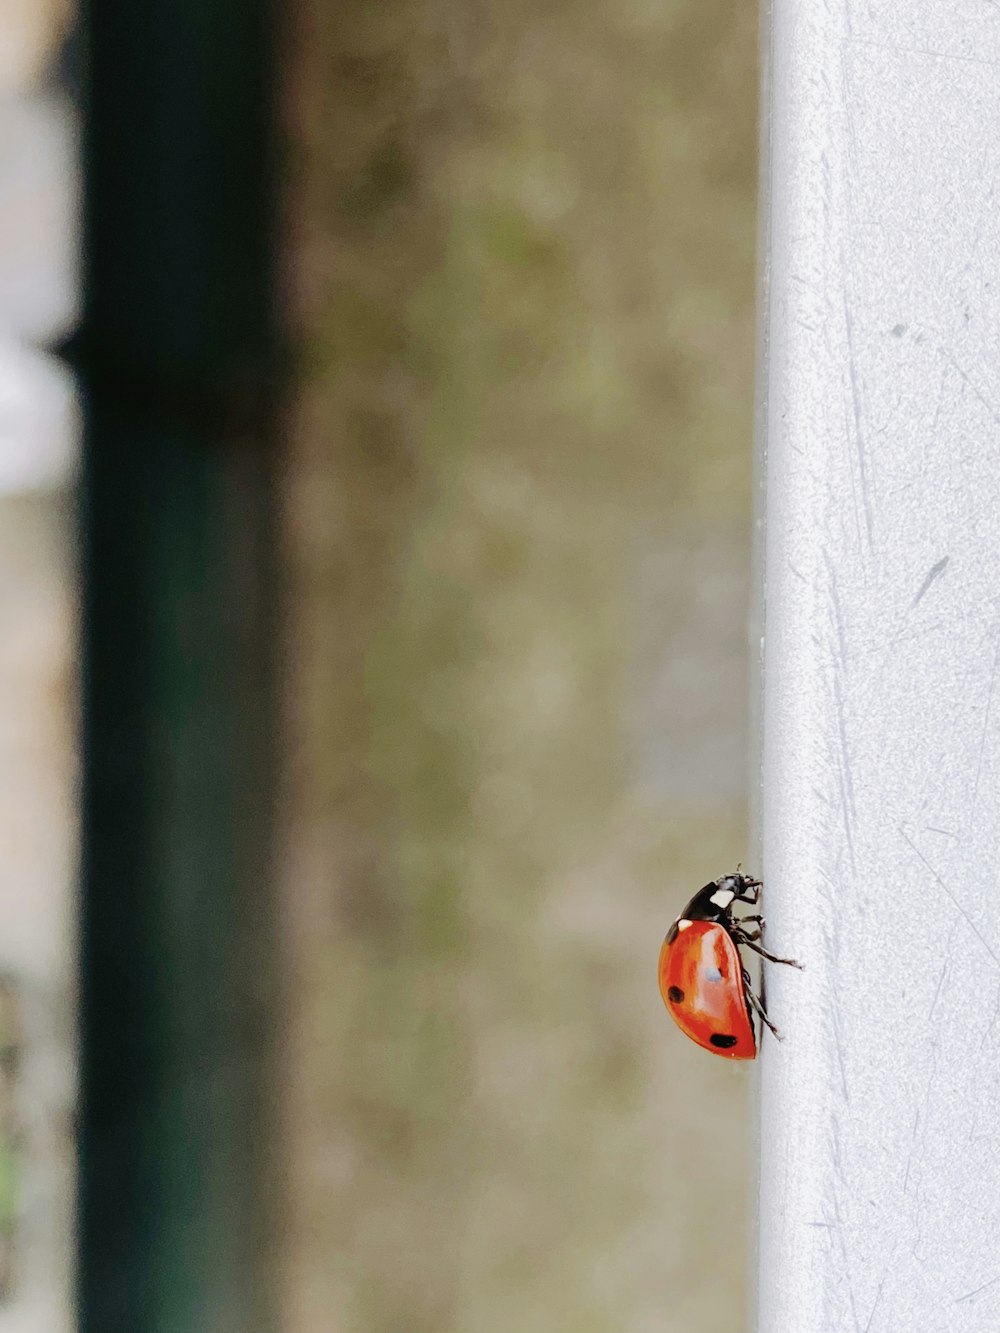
(518, 528)
(37, 817)
(518, 536)
(37, 827)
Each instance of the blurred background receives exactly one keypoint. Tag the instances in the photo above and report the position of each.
(513, 490)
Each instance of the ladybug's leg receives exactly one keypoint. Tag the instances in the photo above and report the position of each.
(754, 934)
(743, 937)
(751, 890)
(758, 1007)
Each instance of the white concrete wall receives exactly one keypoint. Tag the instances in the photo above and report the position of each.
(880, 1198)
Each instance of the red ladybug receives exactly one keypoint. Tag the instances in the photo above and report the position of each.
(703, 981)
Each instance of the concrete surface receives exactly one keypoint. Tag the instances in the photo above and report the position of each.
(880, 1172)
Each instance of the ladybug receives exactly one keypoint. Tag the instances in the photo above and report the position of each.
(703, 981)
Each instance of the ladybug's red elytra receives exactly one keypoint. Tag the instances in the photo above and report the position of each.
(703, 981)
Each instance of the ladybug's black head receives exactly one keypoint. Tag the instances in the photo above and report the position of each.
(715, 901)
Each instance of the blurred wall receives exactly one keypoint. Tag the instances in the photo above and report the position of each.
(518, 534)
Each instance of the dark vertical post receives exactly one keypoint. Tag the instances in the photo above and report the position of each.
(177, 359)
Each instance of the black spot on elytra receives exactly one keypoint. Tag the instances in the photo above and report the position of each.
(675, 994)
(723, 1039)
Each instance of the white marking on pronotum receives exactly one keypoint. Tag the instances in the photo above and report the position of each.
(683, 925)
(722, 897)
